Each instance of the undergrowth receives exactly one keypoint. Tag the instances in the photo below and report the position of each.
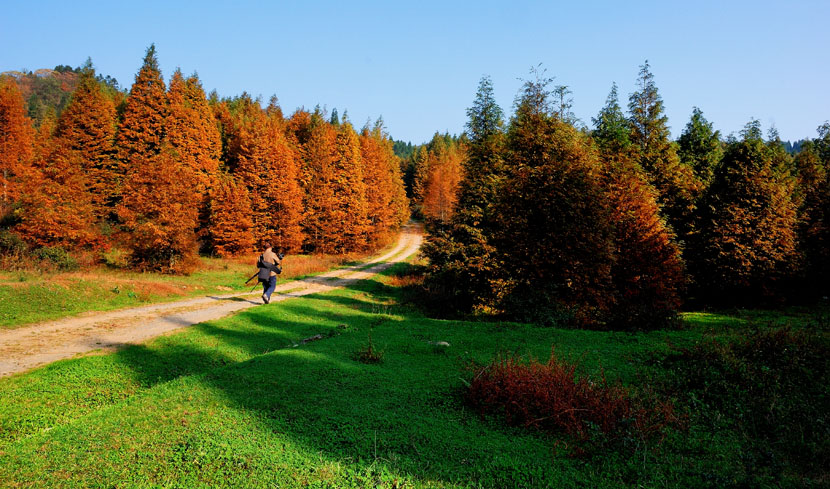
(595, 413)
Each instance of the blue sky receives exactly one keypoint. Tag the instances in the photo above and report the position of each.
(418, 63)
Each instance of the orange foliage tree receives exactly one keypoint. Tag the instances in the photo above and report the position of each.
(437, 178)
(231, 223)
(58, 208)
(142, 129)
(386, 204)
(16, 144)
(747, 241)
(160, 214)
(261, 157)
(86, 132)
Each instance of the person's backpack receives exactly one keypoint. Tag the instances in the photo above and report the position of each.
(265, 269)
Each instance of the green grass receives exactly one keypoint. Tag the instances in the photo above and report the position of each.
(234, 403)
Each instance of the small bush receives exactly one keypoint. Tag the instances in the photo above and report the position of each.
(56, 257)
(369, 354)
(550, 397)
(11, 244)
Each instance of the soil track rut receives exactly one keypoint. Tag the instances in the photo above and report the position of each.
(31, 346)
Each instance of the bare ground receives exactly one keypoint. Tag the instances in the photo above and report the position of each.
(32, 346)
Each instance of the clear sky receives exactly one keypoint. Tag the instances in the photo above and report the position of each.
(418, 63)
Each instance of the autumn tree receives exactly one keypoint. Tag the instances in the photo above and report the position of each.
(813, 185)
(261, 157)
(462, 258)
(58, 208)
(554, 232)
(386, 205)
(16, 146)
(747, 241)
(677, 186)
(192, 130)
(142, 128)
(159, 215)
(699, 147)
(231, 223)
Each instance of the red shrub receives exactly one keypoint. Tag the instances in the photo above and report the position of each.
(550, 397)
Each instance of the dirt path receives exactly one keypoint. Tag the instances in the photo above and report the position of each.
(28, 347)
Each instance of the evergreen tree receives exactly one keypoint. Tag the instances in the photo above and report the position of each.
(813, 184)
(677, 186)
(699, 147)
(553, 220)
(611, 128)
(461, 256)
(747, 241)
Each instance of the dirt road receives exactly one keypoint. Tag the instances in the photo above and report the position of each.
(28, 347)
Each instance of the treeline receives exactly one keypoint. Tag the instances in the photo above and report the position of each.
(168, 171)
(617, 225)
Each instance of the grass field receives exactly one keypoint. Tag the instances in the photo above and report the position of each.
(29, 296)
(242, 402)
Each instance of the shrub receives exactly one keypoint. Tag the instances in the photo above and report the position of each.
(56, 257)
(11, 244)
(369, 354)
(550, 397)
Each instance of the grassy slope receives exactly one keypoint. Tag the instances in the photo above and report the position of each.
(28, 297)
(233, 403)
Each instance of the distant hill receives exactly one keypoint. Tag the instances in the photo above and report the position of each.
(48, 90)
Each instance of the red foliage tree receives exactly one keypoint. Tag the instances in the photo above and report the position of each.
(231, 223)
(58, 208)
(386, 204)
(16, 144)
(160, 215)
(142, 129)
(86, 131)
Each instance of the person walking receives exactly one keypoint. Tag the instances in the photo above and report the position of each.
(269, 267)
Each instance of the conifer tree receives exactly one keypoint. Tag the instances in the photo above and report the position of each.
(677, 186)
(611, 128)
(16, 145)
(747, 241)
(142, 128)
(86, 132)
(231, 225)
(159, 216)
(699, 147)
(813, 184)
(261, 157)
(647, 272)
(554, 228)
(58, 209)
(192, 130)
(386, 204)
(462, 259)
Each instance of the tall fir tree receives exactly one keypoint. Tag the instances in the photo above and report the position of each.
(462, 259)
(553, 220)
(143, 122)
(86, 131)
(16, 146)
(700, 147)
(748, 235)
(677, 186)
(612, 132)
